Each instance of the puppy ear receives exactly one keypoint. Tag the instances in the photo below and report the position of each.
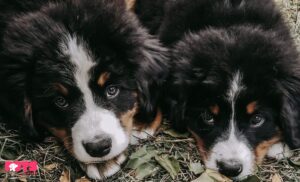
(290, 117)
(152, 72)
(27, 127)
(175, 107)
(290, 112)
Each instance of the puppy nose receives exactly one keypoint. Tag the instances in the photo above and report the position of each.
(98, 147)
(230, 168)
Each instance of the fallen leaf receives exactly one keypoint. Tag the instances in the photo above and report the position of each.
(146, 170)
(276, 178)
(9, 154)
(50, 167)
(135, 163)
(65, 176)
(175, 134)
(169, 163)
(251, 178)
(22, 179)
(196, 168)
(143, 155)
(82, 179)
(212, 176)
(295, 161)
(139, 153)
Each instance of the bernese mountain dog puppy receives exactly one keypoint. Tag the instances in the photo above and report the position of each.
(235, 78)
(83, 70)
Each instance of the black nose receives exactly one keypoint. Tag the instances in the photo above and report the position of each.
(230, 168)
(98, 147)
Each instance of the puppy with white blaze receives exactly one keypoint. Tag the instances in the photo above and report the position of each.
(234, 81)
(82, 70)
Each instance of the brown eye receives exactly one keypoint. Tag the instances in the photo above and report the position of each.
(257, 120)
(208, 118)
(112, 91)
(61, 102)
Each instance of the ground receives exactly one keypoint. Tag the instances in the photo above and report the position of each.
(165, 157)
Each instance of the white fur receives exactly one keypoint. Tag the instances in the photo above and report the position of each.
(95, 120)
(93, 172)
(136, 136)
(279, 151)
(230, 146)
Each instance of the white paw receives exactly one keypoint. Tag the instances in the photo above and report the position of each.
(137, 136)
(279, 151)
(100, 171)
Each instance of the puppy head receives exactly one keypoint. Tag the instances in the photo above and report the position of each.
(87, 69)
(232, 99)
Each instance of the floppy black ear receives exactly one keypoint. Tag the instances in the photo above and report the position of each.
(15, 103)
(175, 108)
(151, 75)
(290, 116)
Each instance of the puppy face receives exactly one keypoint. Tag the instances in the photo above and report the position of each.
(230, 95)
(91, 101)
(85, 73)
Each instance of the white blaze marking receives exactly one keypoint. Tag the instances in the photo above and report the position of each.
(229, 146)
(95, 120)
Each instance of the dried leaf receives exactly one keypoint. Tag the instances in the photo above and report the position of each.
(295, 161)
(276, 178)
(175, 134)
(196, 168)
(22, 179)
(212, 176)
(139, 153)
(9, 154)
(65, 176)
(146, 170)
(169, 163)
(140, 157)
(82, 179)
(50, 167)
(252, 178)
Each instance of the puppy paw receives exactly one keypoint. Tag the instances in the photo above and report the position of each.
(279, 151)
(103, 170)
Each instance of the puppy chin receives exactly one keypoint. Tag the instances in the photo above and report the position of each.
(105, 169)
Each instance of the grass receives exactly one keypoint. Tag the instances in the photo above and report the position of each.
(54, 161)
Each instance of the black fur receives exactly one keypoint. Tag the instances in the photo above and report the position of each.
(210, 40)
(30, 59)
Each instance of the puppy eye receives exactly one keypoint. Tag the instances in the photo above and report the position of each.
(257, 120)
(61, 102)
(208, 118)
(112, 91)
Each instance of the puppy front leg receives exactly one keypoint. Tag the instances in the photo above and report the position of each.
(143, 131)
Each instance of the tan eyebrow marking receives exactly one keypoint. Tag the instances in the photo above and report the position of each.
(103, 78)
(251, 107)
(61, 89)
(130, 4)
(215, 109)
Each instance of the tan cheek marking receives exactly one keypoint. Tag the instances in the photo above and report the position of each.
(130, 4)
(103, 78)
(64, 136)
(251, 107)
(215, 109)
(61, 89)
(262, 149)
(127, 118)
(200, 145)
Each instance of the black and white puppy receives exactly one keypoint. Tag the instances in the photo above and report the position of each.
(82, 69)
(235, 78)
